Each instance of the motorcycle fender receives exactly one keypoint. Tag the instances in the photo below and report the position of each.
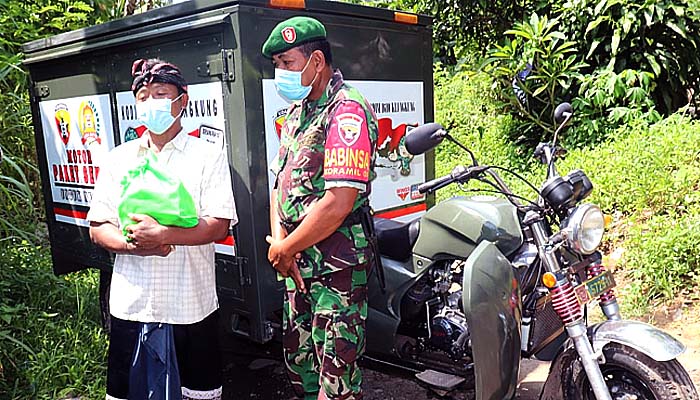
(642, 337)
(491, 301)
(645, 338)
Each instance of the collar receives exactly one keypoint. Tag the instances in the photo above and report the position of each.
(333, 87)
(178, 141)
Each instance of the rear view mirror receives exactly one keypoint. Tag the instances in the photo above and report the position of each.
(562, 113)
(424, 138)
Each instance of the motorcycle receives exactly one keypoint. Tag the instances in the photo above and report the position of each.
(478, 283)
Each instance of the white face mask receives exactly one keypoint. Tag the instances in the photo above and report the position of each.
(288, 84)
(156, 114)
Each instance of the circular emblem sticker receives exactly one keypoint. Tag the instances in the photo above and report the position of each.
(289, 34)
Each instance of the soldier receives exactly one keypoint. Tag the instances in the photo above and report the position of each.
(319, 212)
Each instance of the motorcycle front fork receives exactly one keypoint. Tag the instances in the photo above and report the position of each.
(566, 305)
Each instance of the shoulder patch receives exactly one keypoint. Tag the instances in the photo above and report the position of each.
(349, 127)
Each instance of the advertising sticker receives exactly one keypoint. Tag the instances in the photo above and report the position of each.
(77, 135)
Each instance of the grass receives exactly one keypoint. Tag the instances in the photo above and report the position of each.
(51, 342)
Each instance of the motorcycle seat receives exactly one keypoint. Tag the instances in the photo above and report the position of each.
(395, 238)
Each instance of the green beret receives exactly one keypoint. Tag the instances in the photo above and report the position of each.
(291, 33)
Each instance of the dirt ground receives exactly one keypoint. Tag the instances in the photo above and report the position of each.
(256, 372)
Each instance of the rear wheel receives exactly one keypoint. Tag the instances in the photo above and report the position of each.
(631, 375)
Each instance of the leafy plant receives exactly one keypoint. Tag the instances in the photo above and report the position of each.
(534, 70)
(659, 37)
(608, 100)
(464, 29)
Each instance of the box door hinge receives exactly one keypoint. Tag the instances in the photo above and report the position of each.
(41, 91)
(218, 65)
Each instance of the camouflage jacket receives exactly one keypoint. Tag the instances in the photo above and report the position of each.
(327, 143)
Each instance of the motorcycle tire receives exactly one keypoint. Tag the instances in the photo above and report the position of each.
(631, 374)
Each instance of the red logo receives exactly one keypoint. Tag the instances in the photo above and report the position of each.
(289, 34)
(62, 117)
(403, 192)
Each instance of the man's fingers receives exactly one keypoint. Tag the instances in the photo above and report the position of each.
(270, 239)
(137, 217)
(296, 276)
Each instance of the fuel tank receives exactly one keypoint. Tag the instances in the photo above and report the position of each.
(454, 227)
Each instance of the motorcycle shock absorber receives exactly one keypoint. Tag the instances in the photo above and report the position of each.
(564, 300)
(567, 306)
(607, 300)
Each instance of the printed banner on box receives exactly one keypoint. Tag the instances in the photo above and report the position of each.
(399, 108)
(203, 118)
(77, 135)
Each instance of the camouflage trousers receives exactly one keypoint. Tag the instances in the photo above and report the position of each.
(324, 334)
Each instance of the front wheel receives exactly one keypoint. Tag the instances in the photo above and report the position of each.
(632, 375)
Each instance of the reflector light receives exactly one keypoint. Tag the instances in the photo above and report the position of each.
(298, 4)
(549, 280)
(608, 220)
(405, 18)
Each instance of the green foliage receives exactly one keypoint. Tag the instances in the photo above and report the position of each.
(659, 37)
(608, 100)
(534, 70)
(463, 28)
(23, 21)
(51, 343)
(644, 168)
(663, 256)
(16, 200)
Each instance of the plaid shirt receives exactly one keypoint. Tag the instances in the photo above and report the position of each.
(179, 288)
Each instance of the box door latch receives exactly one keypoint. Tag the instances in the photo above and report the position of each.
(243, 276)
(41, 91)
(218, 65)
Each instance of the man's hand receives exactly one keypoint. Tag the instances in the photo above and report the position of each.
(284, 263)
(160, 251)
(146, 233)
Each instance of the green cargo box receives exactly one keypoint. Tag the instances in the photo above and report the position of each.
(82, 107)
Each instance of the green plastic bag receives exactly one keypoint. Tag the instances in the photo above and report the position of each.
(149, 189)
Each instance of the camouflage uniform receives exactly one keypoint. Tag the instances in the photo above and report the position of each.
(324, 329)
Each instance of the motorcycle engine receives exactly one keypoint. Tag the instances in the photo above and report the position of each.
(437, 301)
(449, 332)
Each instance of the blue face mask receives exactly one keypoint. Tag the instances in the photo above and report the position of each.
(288, 84)
(156, 114)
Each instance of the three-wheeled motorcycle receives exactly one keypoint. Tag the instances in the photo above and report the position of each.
(478, 283)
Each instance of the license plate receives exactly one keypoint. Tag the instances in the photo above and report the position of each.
(594, 287)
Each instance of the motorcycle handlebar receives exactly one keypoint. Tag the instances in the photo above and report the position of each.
(458, 174)
(435, 184)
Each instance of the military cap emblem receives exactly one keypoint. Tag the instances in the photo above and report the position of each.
(289, 34)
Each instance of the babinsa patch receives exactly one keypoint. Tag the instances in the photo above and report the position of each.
(349, 127)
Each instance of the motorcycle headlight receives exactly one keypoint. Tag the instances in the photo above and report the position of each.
(585, 228)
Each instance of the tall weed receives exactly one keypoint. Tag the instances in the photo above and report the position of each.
(51, 342)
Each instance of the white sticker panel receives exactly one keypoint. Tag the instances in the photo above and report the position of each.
(77, 135)
(399, 108)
